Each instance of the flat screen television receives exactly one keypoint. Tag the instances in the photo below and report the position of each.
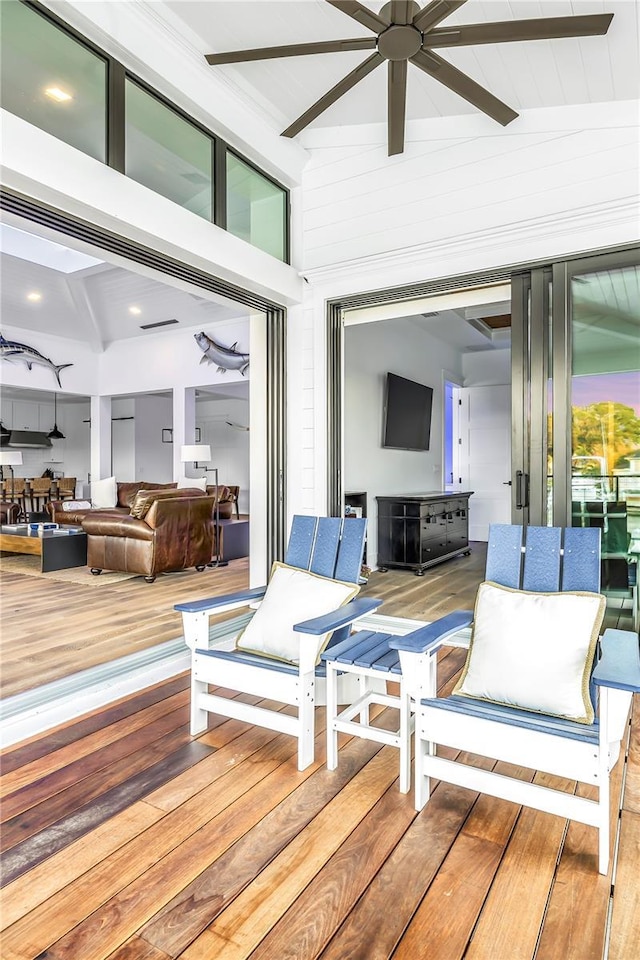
(407, 414)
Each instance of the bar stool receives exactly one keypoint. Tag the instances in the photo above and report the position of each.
(66, 488)
(40, 492)
(16, 491)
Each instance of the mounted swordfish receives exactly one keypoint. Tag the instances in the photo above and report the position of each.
(12, 350)
(227, 358)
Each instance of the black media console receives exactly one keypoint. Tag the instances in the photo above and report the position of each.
(418, 531)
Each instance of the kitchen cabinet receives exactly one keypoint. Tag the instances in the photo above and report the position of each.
(418, 531)
(25, 415)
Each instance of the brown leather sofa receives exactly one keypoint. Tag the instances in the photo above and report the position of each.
(126, 493)
(165, 530)
(228, 500)
(9, 512)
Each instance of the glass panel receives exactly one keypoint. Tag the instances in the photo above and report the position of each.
(52, 80)
(605, 401)
(167, 153)
(255, 208)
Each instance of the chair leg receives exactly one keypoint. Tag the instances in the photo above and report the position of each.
(306, 719)
(363, 687)
(332, 712)
(424, 749)
(405, 741)
(199, 720)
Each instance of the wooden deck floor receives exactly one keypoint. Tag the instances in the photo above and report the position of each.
(125, 839)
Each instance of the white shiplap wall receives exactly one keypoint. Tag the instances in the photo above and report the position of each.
(548, 166)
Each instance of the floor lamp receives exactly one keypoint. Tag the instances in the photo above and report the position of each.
(192, 453)
(11, 459)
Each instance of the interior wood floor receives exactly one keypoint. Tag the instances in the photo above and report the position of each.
(52, 629)
(126, 839)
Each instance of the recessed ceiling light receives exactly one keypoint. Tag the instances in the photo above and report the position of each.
(34, 296)
(60, 96)
(136, 311)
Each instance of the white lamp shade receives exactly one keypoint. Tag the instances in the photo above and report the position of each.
(10, 458)
(195, 451)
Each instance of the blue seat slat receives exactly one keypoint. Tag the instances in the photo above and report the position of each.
(542, 559)
(325, 548)
(350, 648)
(301, 541)
(389, 663)
(277, 666)
(504, 555)
(351, 550)
(587, 733)
(369, 657)
(581, 567)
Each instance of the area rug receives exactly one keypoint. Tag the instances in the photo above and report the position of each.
(30, 567)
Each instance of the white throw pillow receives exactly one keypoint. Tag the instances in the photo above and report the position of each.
(194, 483)
(104, 493)
(533, 650)
(69, 505)
(292, 596)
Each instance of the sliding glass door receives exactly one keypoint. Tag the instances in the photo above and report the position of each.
(576, 395)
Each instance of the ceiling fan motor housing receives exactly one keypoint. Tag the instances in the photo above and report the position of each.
(399, 42)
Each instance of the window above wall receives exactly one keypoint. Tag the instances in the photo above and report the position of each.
(53, 78)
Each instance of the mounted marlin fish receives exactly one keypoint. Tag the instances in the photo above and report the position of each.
(227, 358)
(11, 350)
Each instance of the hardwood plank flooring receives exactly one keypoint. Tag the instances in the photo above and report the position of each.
(126, 839)
(52, 629)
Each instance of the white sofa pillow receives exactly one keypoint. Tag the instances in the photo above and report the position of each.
(292, 596)
(194, 483)
(104, 493)
(533, 650)
(69, 505)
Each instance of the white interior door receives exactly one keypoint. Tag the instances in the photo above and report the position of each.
(485, 455)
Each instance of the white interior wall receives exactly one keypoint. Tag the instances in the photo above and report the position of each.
(229, 446)
(153, 458)
(486, 367)
(370, 351)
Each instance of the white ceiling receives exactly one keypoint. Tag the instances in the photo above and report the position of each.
(88, 299)
(525, 75)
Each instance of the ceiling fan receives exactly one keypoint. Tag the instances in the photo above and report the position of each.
(407, 34)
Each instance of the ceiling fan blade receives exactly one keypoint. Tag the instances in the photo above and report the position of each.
(358, 12)
(545, 28)
(401, 11)
(464, 86)
(434, 12)
(360, 72)
(396, 105)
(291, 50)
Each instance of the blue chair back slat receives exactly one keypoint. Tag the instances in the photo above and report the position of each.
(504, 554)
(351, 549)
(581, 567)
(325, 549)
(301, 541)
(542, 559)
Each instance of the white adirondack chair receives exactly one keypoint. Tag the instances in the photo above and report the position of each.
(550, 560)
(327, 546)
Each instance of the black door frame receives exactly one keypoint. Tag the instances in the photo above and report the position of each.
(531, 354)
(276, 333)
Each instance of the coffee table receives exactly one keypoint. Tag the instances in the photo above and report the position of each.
(57, 549)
